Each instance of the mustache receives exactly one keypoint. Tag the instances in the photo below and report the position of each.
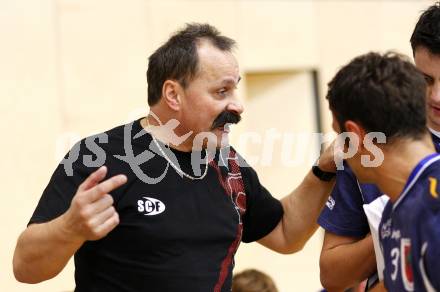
(226, 117)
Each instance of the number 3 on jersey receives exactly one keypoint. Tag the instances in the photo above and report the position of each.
(404, 254)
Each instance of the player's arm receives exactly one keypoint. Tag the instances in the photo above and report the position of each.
(44, 249)
(345, 261)
(301, 210)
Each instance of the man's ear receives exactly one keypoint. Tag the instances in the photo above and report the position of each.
(171, 90)
(356, 129)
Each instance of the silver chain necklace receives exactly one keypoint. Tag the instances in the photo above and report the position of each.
(175, 166)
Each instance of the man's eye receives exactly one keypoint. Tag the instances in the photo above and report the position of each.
(429, 80)
(222, 92)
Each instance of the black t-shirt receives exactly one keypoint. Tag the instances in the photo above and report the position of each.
(175, 234)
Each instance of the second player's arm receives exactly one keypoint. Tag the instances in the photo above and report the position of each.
(345, 261)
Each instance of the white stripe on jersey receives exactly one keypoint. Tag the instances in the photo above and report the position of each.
(428, 284)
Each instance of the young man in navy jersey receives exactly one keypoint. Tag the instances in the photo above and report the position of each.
(166, 213)
(409, 233)
(347, 233)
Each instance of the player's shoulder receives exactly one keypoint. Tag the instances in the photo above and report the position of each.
(430, 185)
(428, 206)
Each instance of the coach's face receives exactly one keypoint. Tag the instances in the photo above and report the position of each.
(429, 65)
(211, 93)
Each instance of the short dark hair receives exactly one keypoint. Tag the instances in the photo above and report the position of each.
(177, 59)
(427, 31)
(384, 93)
(252, 280)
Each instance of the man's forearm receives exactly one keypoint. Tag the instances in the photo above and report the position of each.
(42, 251)
(301, 210)
(347, 264)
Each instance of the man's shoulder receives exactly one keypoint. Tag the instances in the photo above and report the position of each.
(423, 199)
(117, 135)
(429, 199)
(129, 130)
(428, 187)
(95, 150)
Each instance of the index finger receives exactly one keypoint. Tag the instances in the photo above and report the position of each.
(106, 186)
(93, 179)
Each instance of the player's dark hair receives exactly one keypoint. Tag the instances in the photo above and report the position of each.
(384, 93)
(427, 31)
(177, 59)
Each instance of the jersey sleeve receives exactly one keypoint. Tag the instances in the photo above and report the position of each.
(61, 188)
(343, 213)
(263, 212)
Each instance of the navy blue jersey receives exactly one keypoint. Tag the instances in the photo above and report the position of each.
(344, 214)
(410, 232)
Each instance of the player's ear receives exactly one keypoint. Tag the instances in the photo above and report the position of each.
(171, 90)
(356, 129)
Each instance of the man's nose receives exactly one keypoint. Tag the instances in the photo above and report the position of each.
(235, 106)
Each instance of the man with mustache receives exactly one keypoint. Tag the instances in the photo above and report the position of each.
(170, 214)
(347, 255)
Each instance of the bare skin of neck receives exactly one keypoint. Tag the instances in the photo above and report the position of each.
(400, 159)
(168, 134)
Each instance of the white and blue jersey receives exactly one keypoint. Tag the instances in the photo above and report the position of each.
(344, 214)
(410, 232)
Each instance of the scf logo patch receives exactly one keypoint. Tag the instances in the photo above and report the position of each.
(150, 206)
